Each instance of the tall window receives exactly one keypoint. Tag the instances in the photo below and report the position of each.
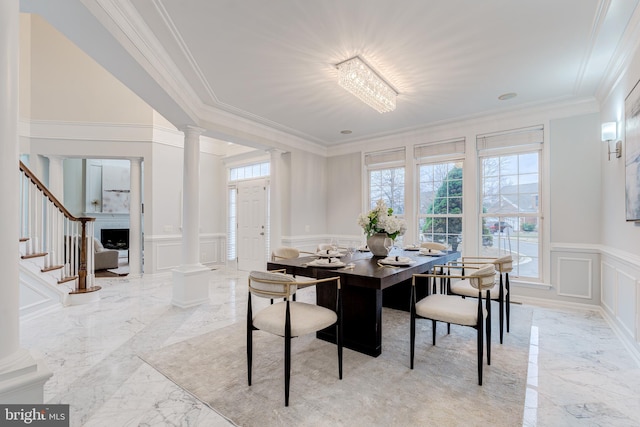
(386, 180)
(440, 191)
(510, 194)
(440, 209)
(388, 185)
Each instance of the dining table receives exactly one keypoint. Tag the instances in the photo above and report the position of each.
(368, 285)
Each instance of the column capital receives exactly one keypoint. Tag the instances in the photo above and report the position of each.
(191, 130)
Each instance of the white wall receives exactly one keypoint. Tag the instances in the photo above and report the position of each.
(620, 240)
(68, 85)
(344, 190)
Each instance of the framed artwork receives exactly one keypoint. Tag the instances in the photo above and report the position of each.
(632, 154)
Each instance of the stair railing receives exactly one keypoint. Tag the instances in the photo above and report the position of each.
(50, 231)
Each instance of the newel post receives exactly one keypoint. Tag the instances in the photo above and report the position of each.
(82, 262)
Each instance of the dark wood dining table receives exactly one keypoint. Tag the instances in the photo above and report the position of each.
(366, 288)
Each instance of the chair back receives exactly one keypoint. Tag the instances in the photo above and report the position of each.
(484, 277)
(504, 264)
(434, 245)
(266, 284)
(284, 252)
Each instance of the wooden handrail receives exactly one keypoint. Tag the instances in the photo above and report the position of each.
(82, 261)
(46, 192)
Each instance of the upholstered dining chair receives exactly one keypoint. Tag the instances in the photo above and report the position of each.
(434, 246)
(439, 306)
(287, 252)
(287, 318)
(500, 292)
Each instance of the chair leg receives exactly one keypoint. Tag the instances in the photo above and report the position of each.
(287, 354)
(433, 331)
(339, 327)
(508, 299)
(501, 308)
(412, 333)
(249, 339)
(480, 343)
(488, 325)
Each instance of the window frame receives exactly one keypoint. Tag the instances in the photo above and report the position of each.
(458, 160)
(515, 150)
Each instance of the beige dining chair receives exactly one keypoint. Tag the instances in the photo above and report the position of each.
(289, 319)
(439, 306)
(501, 290)
(434, 246)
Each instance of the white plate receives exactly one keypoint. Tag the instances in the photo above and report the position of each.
(363, 249)
(431, 252)
(324, 262)
(400, 261)
(332, 254)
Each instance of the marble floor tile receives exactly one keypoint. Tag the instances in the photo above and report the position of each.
(579, 371)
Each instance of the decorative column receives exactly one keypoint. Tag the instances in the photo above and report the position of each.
(21, 377)
(56, 177)
(191, 279)
(135, 218)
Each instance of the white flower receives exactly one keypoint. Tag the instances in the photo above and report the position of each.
(380, 220)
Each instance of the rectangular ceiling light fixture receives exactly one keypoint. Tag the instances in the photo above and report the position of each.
(361, 80)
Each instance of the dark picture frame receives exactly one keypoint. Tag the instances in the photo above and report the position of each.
(632, 153)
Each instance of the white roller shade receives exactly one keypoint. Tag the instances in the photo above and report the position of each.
(387, 156)
(440, 148)
(530, 137)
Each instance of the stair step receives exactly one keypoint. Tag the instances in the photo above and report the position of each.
(53, 267)
(67, 279)
(37, 255)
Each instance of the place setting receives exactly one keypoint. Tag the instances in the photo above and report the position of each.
(396, 261)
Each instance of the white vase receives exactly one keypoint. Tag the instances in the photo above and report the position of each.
(376, 244)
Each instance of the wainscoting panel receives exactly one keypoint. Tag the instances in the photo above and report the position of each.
(164, 253)
(621, 293)
(626, 312)
(575, 277)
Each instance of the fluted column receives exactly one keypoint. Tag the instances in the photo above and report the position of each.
(191, 279)
(135, 217)
(21, 377)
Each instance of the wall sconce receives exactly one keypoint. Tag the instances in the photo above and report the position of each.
(610, 133)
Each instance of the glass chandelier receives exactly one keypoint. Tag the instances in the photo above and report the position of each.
(358, 78)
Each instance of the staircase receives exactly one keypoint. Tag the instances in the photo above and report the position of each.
(56, 251)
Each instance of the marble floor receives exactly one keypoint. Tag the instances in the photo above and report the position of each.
(580, 373)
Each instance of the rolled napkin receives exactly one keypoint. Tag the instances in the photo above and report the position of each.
(427, 251)
(326, 261)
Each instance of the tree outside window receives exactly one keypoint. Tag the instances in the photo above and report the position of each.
(440, 216)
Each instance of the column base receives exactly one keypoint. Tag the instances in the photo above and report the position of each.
(190, 285)
(22, 378)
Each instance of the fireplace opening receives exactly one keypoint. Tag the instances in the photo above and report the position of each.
(115, 238)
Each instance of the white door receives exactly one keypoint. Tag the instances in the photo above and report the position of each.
(252, 223)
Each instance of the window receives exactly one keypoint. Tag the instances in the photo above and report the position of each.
(388, 185)
(249, 171)
(232, 224)
(510, 193)
(440, 198)
(440, 191)
(386, 180)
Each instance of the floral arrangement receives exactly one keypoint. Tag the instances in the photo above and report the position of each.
(381, 220)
